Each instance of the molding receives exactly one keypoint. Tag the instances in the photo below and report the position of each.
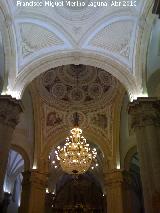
(10, 109)
(144, 112)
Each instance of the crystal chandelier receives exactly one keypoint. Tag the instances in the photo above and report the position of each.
(76, 156)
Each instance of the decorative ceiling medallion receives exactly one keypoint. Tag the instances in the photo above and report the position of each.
(76, 13)
(76, 5)
(86, 74)
(58, 90)
(95, 91)
(49, 77)
(105, 78)
(77, 95)
(96, 88)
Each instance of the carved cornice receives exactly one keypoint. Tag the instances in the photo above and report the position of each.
(10, 109)
(144, 112)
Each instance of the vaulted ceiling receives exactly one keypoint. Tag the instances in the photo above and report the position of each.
(106, 37)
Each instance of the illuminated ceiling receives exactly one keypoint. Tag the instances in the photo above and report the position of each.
(45, 37)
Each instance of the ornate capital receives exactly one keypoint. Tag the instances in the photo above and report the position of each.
(114, 177)
(144, 112)
(10, 109)
(35, 177)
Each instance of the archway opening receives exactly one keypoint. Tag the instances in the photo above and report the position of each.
(69, 193)
(13, 182)
(97, 101)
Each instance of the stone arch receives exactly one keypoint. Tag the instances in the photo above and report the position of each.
(153, 84)
(144, 29)
(7, 32)
(71, 57)
(129, 156)
(24, 155)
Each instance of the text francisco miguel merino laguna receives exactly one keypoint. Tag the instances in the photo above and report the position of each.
(61, 3)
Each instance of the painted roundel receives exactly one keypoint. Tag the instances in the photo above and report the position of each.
(58, 90)
(71, 86)
(49, 77)
(70, 119)
(105, 78)
(67, 74)
(77, 95)
(95, 91)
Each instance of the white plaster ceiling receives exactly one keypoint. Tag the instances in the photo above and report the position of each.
(41, 32)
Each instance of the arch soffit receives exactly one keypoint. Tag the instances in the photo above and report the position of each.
(32, 70)
(24, 155)
(144, 27)
(153, 83)
(9, 42)
(129, 156)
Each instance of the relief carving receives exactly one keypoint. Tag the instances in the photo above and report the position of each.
(144, 112)
(10, 110)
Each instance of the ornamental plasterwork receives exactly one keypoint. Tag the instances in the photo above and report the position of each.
(76, 37)
(144, 112)
(93, 103)
(10, 110)
(35, 38)
(56, 121)
(58, 88)
(117, 38)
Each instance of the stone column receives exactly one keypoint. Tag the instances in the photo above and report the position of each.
(145, 120)
(114, 191)
(10, 110)
(33, 192)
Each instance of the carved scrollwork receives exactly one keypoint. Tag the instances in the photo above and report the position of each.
(10, 110)
(144, 112)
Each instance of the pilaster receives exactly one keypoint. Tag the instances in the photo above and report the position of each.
(114, 191)
(145, 120)
(33, 192)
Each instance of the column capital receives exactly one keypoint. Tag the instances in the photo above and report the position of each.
(35, 177)
(114, 177)
(10, 108)
(144, 112)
